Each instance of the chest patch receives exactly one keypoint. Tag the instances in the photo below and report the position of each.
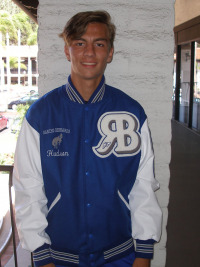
(120, 136)
(57, 141)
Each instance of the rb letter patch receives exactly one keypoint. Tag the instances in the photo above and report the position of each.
(120, 136)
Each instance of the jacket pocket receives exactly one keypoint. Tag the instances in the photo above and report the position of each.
(57, 198)
(123, 199)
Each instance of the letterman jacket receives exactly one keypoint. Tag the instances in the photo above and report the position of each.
(83, 178)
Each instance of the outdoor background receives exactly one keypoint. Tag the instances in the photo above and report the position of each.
(18, 89)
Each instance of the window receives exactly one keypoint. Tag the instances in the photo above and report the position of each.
(196, 88)
(186, 82)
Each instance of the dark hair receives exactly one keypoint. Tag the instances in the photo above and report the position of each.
(77, 25)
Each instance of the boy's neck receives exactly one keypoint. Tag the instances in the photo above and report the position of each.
(86, 87)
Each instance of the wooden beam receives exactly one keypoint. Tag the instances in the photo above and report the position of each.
(26, 10)
(188, 31)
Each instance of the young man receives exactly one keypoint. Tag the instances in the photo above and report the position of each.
(83, 171)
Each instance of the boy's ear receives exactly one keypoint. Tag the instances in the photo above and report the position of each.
(110, 55)
(67, 52)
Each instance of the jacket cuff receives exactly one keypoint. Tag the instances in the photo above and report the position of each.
(42, 256)
(144, 248)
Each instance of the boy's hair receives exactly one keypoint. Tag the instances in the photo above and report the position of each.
(77, 25)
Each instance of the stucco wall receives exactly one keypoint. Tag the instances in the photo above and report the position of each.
(142, 67)
(186, 10)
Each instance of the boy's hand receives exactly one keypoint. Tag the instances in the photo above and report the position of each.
(139, 262)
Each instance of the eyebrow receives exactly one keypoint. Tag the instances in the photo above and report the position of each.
(95, 40)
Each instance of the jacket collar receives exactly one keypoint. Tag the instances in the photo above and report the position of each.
(74, 95)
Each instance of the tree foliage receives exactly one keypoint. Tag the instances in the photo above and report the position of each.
(13, 19)
(9, 6)
(32, 39)
(7, 26)
(14, 63)
(21, 112)
(6, 158)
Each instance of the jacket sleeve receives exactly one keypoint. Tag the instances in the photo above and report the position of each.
(30, 200)
(146, 215)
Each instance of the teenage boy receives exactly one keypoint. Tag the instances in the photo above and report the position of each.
(83, 173)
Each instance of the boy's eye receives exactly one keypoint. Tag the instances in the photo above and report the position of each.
(100, 44)
(79, 44)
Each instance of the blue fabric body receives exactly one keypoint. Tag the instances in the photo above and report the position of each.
(89, 217)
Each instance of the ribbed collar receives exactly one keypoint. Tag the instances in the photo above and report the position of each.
(74, 95)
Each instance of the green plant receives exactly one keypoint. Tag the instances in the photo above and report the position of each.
(12, 22)
(21, 111)
(7, 26)
(32, 39)
(14, 63)
(6, 159)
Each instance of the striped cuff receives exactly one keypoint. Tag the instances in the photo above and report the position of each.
(45, 255)
(144, 248)
(41, 256)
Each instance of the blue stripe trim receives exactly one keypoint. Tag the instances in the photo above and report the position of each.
(46, 254)
(99, 95)
(118, 249)
(69, 93)
(145, 249)
(50, 253)
(74, 95)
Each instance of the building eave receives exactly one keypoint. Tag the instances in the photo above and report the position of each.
(29, 7)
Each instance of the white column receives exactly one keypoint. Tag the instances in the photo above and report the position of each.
(8, 62)
(1, 66)
(36, 61)
(29, 72)
(19, 59)
(2, 75)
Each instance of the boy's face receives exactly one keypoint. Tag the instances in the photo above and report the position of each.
(90, 54)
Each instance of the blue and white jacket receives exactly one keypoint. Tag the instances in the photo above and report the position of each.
(84, 179)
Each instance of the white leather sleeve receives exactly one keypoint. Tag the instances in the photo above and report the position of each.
(146, 214)
(30, 199)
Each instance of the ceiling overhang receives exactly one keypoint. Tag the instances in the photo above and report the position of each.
(29, 7)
